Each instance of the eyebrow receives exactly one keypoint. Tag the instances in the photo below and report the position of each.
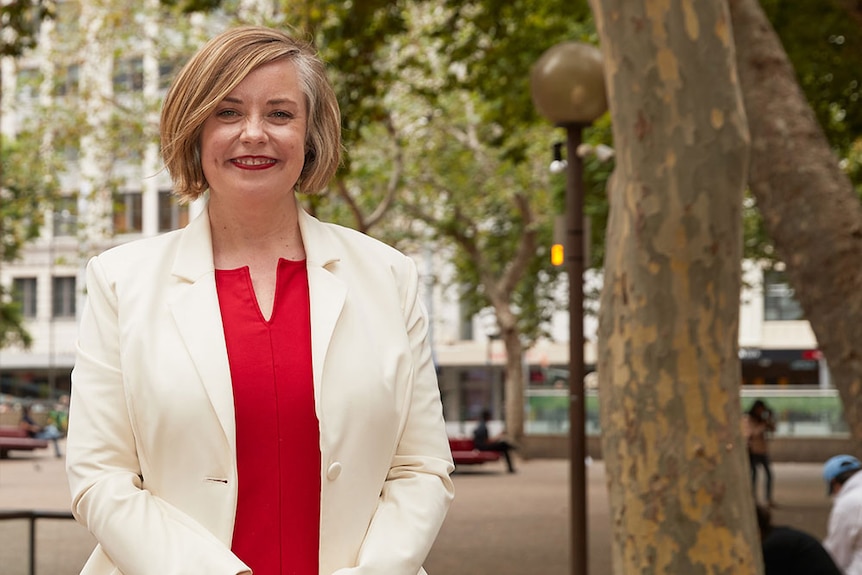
(274, 102)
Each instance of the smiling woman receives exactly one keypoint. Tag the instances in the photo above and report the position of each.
(197, 91)
(256, 391)
(254, 140)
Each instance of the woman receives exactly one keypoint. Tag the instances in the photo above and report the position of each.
(255, 391)
(757, 424)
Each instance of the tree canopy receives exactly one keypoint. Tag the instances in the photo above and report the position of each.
(20, 20)
(26, 193)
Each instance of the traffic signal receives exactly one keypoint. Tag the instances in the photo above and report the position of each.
(558, 252)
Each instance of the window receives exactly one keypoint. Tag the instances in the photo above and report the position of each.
(172, 214)
(67, 16)
(63, 301)
(67, 81)
(128, 213)
(65, 216)
(779, 298)
(129, 75)
(71, 153)
(24, 294)
(27, 83)
(167, 71)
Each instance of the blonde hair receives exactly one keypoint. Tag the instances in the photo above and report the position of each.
(213, 72)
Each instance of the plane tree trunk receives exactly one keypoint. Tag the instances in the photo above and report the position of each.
(669, 374)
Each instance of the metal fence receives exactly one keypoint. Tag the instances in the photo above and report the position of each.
(50, 550)
(799, 412)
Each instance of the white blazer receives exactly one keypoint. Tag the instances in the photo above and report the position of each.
(151, 445)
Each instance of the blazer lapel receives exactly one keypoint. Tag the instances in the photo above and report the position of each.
(327, 292)
(196, 309)
(196, 313)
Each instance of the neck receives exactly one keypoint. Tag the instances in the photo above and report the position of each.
(243, 233)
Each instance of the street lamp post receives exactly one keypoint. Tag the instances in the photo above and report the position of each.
(567, 87)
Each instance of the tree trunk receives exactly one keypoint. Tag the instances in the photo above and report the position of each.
(808, 204)
(669, 374)
(514, 385)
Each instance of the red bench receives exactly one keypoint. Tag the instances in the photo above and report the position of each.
(464, 452)
(13, 438)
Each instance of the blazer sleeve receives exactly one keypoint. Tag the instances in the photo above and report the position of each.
(418, 489)
(141, 533)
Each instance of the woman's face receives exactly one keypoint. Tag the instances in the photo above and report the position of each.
(254, 141)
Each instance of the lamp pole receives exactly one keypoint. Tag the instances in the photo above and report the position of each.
(567, 87)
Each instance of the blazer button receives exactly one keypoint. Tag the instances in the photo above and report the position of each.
(334, 471)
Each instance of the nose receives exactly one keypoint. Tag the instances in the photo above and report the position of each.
(253, 130)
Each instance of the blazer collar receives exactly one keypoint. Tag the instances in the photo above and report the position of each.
(195, 252)
(195, 258)
(317, 239)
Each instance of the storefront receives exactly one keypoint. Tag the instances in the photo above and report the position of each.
(796, 367)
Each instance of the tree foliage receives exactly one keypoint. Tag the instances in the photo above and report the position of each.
(823, 40)
(487, 207)
(496, 42)
(19, 22)
(27, 191)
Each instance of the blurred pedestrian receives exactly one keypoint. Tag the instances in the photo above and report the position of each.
(59, 415)
(33, 429)
(758, 423)
(844, 531)
(484, 442)
(790, 551)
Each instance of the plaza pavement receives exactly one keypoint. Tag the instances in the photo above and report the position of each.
(499, 523)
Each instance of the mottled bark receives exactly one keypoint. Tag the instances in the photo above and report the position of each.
(669, 374)
(809, 207)
(514, 390)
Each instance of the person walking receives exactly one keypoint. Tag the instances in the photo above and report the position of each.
(844, 530)
(255, 392)
(758, 423)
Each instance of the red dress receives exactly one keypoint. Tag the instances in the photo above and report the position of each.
(277, 525)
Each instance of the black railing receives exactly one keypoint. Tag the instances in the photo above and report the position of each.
(31, 515)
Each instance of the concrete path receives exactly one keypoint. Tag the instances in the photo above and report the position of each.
(500, 523)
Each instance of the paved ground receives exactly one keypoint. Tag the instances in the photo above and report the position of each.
(499, 523)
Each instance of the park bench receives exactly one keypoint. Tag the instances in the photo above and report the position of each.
(13, 438)
(464, 452)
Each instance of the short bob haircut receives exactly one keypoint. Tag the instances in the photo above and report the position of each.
(214, 72)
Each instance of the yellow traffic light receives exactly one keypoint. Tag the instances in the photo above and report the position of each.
(557, 254)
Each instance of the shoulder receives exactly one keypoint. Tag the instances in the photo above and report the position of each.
(790, 550)
(351, 239)
(350, 249)
(851, 491)
(135, 267)
(137, 252)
